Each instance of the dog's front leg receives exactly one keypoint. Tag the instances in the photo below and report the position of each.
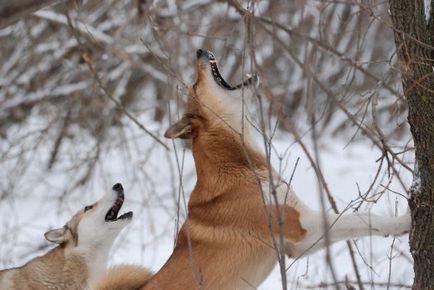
(345, 227)
(337, 227)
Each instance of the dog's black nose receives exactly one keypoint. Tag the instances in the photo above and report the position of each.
(200, 53)
(205, 54)
(118, 187)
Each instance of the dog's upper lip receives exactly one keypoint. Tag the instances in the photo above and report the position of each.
(203, 54)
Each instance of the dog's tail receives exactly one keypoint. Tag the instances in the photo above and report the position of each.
(123, 277)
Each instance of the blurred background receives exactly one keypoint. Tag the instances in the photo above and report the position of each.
(87, 89)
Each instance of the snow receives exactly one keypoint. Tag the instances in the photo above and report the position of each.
(427, 4)
(150, 178)
(417, 183)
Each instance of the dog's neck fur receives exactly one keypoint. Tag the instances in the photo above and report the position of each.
(96, 257)
(221, 156)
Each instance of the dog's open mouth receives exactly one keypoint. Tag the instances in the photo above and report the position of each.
(218, 77)
(112, 214)
(216, 73)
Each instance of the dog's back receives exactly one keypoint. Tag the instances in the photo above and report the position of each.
(51, 271)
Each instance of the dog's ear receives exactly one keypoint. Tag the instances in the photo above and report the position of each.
(183, 129)
(56, 236)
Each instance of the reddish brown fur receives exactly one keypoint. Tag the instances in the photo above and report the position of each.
(226, 242)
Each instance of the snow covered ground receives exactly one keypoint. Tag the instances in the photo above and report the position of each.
(41, 199)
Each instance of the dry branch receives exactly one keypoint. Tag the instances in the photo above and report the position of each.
(13, 10)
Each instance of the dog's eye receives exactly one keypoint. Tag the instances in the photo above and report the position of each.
(86, 208)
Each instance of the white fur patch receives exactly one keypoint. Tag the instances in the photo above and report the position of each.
(282, 194)
(340, 227)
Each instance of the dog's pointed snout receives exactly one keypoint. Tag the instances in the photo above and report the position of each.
(204, 54)
(118, 187)
(200, 53)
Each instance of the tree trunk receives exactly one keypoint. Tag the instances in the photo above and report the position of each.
(414, 39)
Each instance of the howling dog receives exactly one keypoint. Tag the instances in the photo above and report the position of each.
(240, 210)
(80, 258)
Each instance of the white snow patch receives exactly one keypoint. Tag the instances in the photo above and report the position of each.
(427, 9)
(417, 182)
